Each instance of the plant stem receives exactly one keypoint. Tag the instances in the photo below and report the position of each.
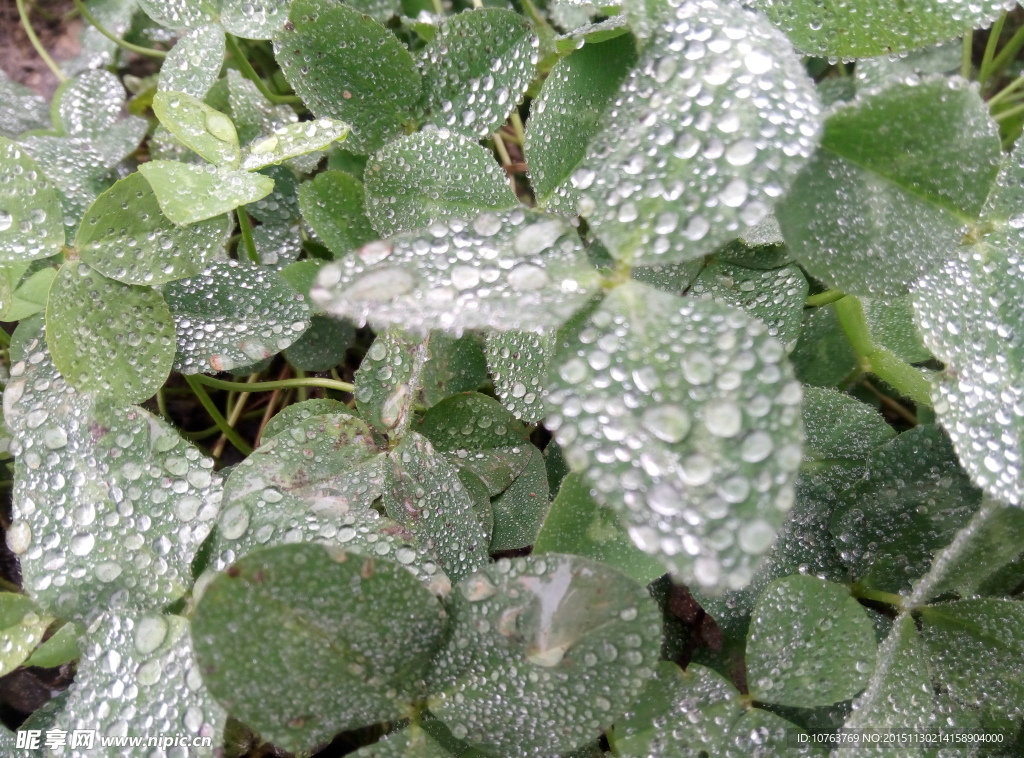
(31, 33)
(990, 49)
(823, 298)
(517, 125)
(967, 52)
(889, 598)
(1006, 91)
(544, 29)
(250, 73)
(282, 384)
(87, 15)
(878, 360)
(161, 403)
(5, 339)
(234, 416)
(211, 408)
(438, 8)
(890, 403)
(1009, 113)
(246, 229)
(1008, 53)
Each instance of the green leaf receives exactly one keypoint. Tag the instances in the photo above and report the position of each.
(553, 629)
(576, 524)
(193, 64)
(518, 363)
(346, 658)
(233, 314)
(189, 194)
(900, 172)
(22, 626)
(899, 693)
(333, 203)
(108, 337)
(411, 742)
(570, 112)
(138, 670)
(476, 68)
(675, 174)
(966, 312)
(252, 113)
(975, 648)
(89, 104)
(293, 140)
(323, 346)
(315, 478)
(61, 648)
(296, 413)
(528, 272)
(389, 380)
(205, 130)
(809, 644)
(455, 365)
(991, 540)
(700, 463)
(840, 427)
(823, 356)
(486, 442)
(348, 67)
(30, 296)
(125, 236)
(944, 58)
(912, 501)
(697, 712)
(891, 323)
(875, 27)
(264, 21)
(21, 109)
(774, 297)
(31, 220)
(177, 14)
(423, 493)
(423, 178)
(110, 503)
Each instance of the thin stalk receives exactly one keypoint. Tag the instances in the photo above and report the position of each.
(31, 33)
(438, 8)
(517, 126)
(1009, 113)
(234, 416)
(250, 73)
(889, 598)
(990, 49)
(889, 403)
(543, 27)
(87, 15)
(246, 229)
(499, 145)
(161, 403)
(211, 408)
(1008, 53)
(966, 53)
(301, 389)
(282, 384)
(823, 298)
(5, 339)
(1006, 91)
(268, 414)
(880, 361)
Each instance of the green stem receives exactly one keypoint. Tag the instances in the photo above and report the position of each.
(823, 298)
(87, 15)
(211, 408)
(875, 359)
(31, 33)
(1006, 91)
(990, 49)
(967, 52)
(247, 239)
(161, 403)
(1009, 113)
(1008, 53)
(889, 598)
(250, 73)
(5, 339)
(543, 27)
(280, 384)
(438, 8)
(517, 125)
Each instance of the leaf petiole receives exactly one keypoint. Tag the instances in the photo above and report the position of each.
(250, 73)
(218, 418)
(88, 16)
(31, 34)
(280, 384)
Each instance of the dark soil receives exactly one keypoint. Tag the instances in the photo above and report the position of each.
(57, 28)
